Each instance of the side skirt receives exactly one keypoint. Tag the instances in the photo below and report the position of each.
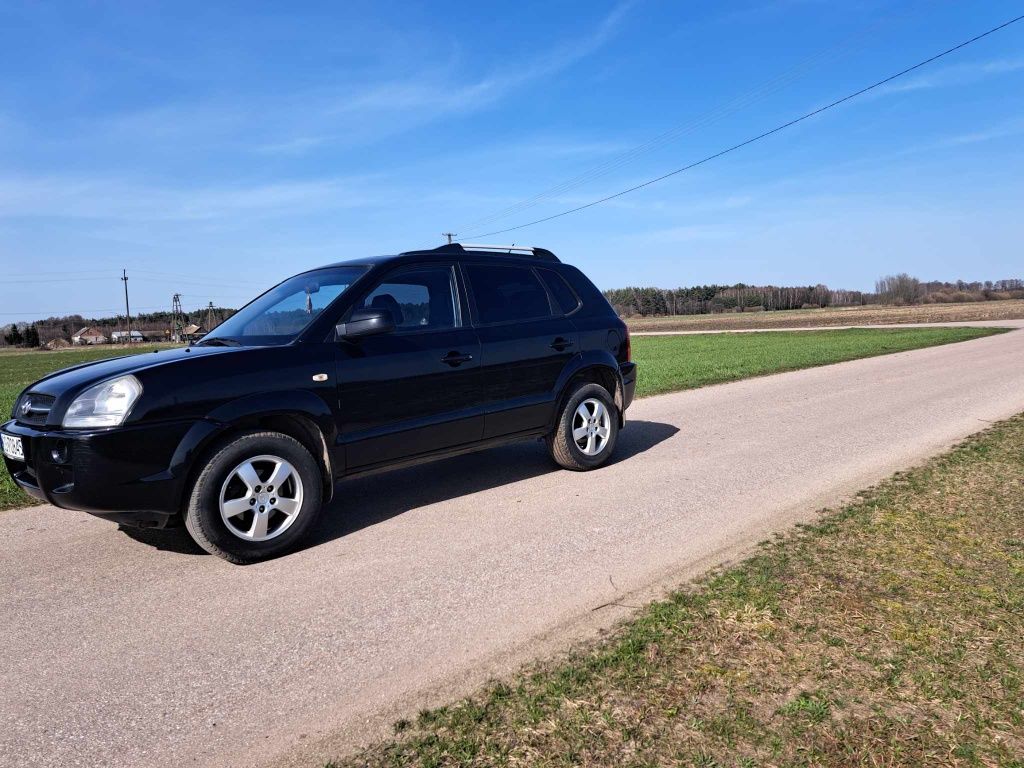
(445, 453)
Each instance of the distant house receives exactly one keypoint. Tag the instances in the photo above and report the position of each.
(193, 332)
(155, 334)
(120, 337)
(89, 335)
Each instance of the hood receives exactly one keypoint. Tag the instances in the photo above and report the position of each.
(76, 378)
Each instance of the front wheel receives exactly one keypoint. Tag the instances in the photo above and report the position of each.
(256, 497)
(587, 429)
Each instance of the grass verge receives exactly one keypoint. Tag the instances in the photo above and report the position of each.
(891, 632)
(670, 363)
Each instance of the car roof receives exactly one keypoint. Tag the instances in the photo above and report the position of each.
(532, 256)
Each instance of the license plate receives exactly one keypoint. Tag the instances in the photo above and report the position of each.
(12, 447)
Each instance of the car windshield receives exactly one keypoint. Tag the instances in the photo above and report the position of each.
(283, 312)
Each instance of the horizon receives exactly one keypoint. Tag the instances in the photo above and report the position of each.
(148, 316)
(213, 152)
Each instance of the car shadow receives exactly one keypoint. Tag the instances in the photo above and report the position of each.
(364, 501)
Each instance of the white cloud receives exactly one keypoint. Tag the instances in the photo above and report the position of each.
(1001, 130)
(998, 130)
(433, 95)
(125, 200)
(681, 234)
(959, 74)
(346, 114)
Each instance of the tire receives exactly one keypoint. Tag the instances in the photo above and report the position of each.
(236, 513)
(566, 450)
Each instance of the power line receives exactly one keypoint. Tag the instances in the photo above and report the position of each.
(147, 275)
(162, 273)
(220, 295)
(57, 280)
(759, 137)
(147, 309)
(719, 112)
(193, 276)
(193, 281)
(188, 282)
(47, 315)
(197, 280)
(53, 272)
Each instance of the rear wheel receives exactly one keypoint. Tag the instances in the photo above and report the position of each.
(255, 498)
(587, 429)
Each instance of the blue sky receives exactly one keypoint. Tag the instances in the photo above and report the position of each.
(214, 149)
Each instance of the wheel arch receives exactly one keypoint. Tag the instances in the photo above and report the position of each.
(300, 415)
(597, 367)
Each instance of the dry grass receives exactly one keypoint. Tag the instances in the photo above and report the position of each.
(890, 633)
(813, 318)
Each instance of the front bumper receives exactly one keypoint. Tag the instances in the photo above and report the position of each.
(133, 475)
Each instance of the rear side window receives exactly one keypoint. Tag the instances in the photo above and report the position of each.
(565, 297)
(506, 293)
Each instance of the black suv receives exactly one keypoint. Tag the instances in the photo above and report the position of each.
(338, 371)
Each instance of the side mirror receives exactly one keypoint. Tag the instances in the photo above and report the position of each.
(367, 321)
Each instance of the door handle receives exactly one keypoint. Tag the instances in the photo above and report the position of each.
(560, 344)
(455, 359)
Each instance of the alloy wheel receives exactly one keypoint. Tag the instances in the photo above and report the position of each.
(591, 426)
(261, 498)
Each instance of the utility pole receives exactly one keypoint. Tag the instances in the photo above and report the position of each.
(449, 235)
(127, 311)
(177, 319)
(209, 317)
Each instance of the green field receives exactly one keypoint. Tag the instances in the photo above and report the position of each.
(666, 363)
(889, 633)
(670, 363)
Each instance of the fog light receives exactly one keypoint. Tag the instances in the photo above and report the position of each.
(60, 452)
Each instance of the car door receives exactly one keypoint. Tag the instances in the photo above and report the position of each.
(526, 343)
(417, 388)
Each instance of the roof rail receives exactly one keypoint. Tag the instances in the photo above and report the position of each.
(514, 250)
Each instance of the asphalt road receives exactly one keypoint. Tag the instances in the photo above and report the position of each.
(141, 651)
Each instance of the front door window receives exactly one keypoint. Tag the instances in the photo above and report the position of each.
(419, 298)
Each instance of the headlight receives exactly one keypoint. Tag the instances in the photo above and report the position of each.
(105, 404)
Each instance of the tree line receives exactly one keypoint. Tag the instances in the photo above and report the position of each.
(40, 332)
(705, 299)
(891, 289)
(906, 289)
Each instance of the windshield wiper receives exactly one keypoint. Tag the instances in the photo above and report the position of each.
(218, 341)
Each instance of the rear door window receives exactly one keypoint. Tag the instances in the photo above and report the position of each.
(507, 293)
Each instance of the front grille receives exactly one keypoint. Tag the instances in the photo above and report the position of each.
(33, 408)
